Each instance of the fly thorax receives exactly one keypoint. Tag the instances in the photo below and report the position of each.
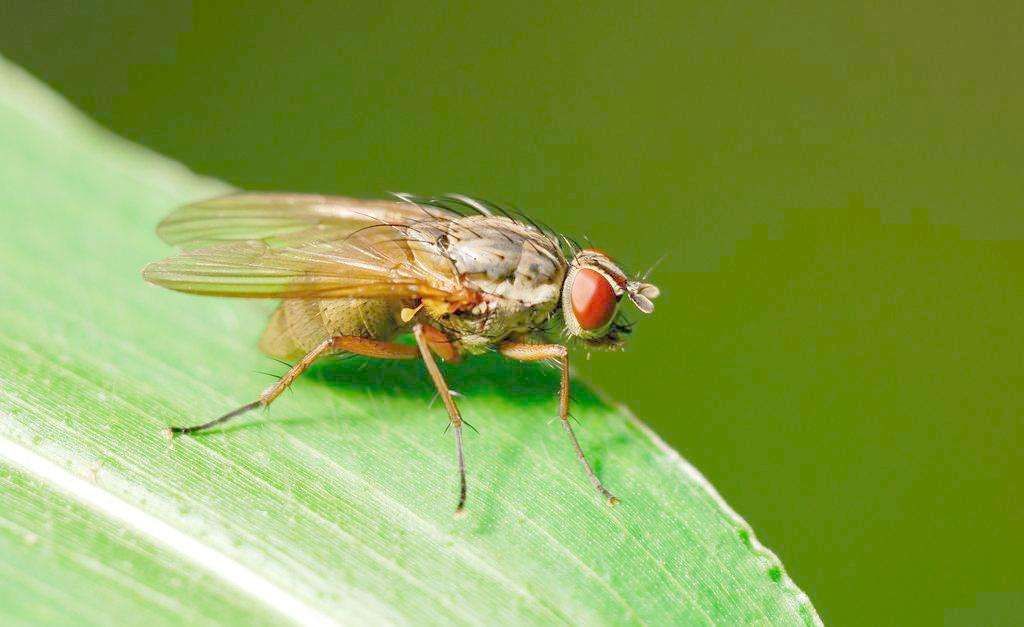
(505, 259)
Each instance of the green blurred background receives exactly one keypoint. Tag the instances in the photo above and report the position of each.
(839, 343)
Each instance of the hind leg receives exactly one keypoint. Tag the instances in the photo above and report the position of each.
(339, 343)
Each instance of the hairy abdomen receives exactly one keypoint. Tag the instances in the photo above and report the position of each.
(298, 326)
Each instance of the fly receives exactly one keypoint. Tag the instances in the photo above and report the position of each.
(462, 275)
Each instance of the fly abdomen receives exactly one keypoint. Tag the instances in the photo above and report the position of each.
(299, 325)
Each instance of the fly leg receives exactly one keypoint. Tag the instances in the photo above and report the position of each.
(340, 343)
(540, 352)
(423, 341)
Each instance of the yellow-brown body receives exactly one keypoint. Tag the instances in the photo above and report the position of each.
(298, 326)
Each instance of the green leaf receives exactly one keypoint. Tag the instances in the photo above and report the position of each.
(337, 504)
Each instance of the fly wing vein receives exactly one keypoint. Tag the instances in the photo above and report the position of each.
(374, 262)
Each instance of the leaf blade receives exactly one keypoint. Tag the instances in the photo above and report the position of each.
(341, 495)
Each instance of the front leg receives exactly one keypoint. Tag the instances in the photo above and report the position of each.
(541, 352)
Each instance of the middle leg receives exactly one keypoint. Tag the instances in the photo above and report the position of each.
(423, 341)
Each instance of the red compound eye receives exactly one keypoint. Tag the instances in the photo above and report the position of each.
(592, 298)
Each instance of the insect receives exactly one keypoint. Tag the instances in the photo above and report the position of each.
(464, 276)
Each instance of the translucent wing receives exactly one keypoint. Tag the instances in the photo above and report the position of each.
(284, 218)
(380, 260)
